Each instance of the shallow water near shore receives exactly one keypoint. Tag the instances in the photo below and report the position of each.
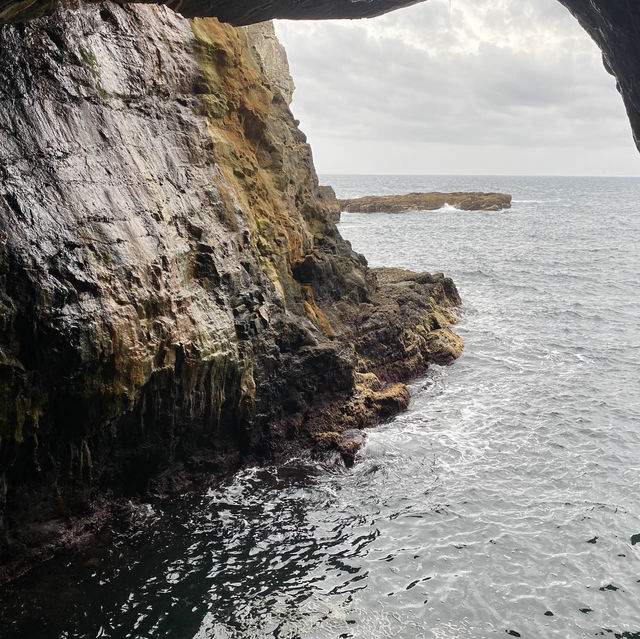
(504, 502)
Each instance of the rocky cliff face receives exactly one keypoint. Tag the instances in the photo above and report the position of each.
(173, 294)
(273, 58)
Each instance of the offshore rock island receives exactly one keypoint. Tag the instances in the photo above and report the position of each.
(175, 299)
(426, 202)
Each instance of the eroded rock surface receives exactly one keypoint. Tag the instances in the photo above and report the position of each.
(273, 57)
(173, 295)
(427, 202)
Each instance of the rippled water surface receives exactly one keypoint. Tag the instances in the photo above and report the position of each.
(505, 502)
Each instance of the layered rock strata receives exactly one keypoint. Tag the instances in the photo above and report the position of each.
(174, 298)
(426, 202)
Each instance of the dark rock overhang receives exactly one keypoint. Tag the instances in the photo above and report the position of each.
(613, 24)
(236, 12)
(615, 27)
(243, 12)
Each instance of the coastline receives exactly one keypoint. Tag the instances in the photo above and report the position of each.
(403, 328)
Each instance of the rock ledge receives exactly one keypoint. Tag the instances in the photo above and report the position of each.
(427, 202)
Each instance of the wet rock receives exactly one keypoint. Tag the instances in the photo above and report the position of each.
(354, 435)
(347, 443)
(407, 323)
(174, 299)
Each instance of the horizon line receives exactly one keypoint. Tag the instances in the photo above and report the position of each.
(583, 175)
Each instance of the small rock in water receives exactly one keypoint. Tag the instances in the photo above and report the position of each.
(609, 587)
(353, 434)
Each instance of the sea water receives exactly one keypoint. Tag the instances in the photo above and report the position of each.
(504, 502)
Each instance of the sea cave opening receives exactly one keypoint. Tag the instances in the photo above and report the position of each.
(458, 88)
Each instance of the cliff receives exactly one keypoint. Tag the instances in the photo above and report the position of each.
(174, 298)
(173, 295)
(427, 202)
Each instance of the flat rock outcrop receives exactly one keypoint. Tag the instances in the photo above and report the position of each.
(426, 202)
(174, 297)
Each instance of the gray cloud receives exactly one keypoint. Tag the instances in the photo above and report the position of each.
(422, 87)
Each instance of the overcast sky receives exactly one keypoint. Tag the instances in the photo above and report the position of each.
(467, 87)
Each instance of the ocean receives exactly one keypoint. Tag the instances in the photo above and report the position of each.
(504, 502)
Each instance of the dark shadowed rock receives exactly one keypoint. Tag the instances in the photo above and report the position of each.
(427, 202)
(237, 12)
